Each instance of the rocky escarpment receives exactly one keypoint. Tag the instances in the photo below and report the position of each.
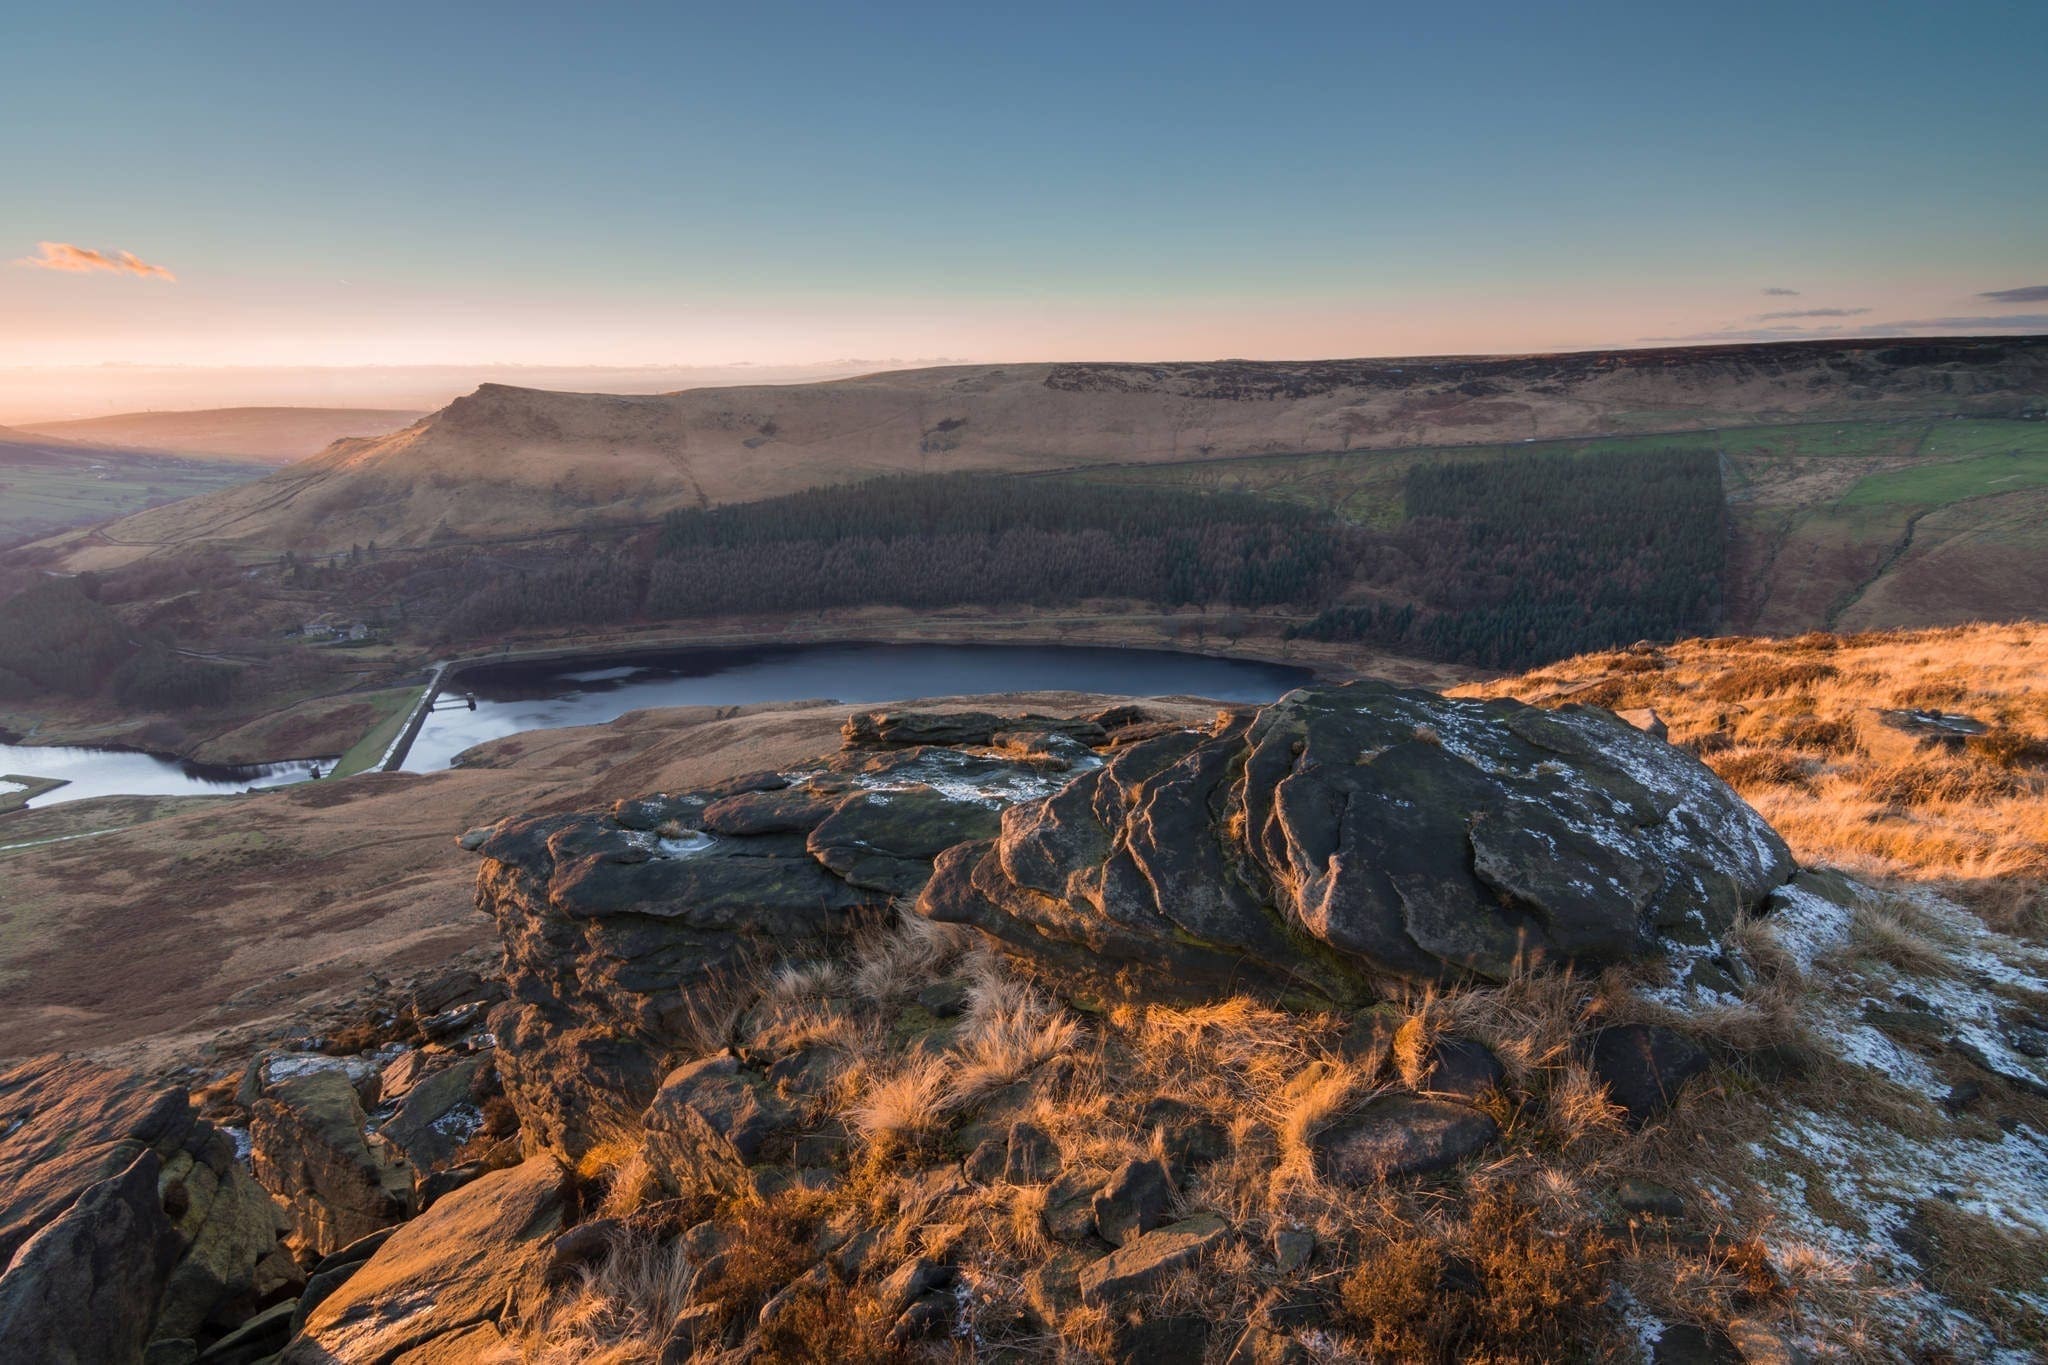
(1351, 836)
(124, 1218)
(620, 929)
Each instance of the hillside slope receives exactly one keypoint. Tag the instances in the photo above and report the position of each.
(507, 462)
(258, 435)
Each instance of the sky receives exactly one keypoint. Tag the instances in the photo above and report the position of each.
(227, 188)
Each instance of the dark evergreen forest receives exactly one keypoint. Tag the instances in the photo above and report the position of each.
(1502, 563)
(1511, 563)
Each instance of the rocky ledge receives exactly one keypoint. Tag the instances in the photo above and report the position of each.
(622, 928)
(1319, 850)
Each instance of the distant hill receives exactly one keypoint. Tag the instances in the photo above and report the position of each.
(48, 485)
(258, 435)
(506, 462)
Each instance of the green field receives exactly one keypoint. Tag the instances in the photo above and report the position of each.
(1934, 485)
(43, 491)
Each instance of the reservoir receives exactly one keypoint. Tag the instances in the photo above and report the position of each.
(539, 696)
(118, 772)
(513, 697)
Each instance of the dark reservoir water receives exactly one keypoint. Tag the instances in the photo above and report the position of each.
(515, 697)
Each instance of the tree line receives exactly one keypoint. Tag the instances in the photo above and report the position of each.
(1514, 562)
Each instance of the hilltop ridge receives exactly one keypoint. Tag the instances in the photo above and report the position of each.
(562, 461)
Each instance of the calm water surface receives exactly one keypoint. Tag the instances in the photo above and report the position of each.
(110, 772)
(515, 697)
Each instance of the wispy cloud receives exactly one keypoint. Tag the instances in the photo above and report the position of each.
(2001, 320)
(2009, 322)
(1778, 293)
(82, 260)
(2033, 293)
(1813, 313)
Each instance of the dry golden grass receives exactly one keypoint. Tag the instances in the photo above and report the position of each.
(1792, 725)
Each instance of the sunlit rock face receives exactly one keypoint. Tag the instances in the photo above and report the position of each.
(1349, 836)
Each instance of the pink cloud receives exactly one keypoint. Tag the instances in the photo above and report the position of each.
(83, 260)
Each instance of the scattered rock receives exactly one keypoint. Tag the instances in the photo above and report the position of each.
(1644, 1066)
(586, 1244)
(1145, 1260)
(332, 1271)
(1683, 1343)
(1291, 1249)
(1458, 1068)
(1031, 1157)
(930, 1316)
(710, 1121)
(437, 1116)
(255, 1341)
(944, 999)
(1161, 1341)
(70, 1127)
(985, 1164)
(1188, 1137)
(1134, 1201)
(813, 1281)
(911, 1281)
(694, 1327)
(1402, 1135)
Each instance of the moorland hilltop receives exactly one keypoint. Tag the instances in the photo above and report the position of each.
(1372, 1024)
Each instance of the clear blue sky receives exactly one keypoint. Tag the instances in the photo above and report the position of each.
(427, 182)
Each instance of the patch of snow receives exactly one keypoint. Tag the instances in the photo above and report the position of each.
(1806, 925)
(1861, 1045)
(243, 1144)
(961, 777)
(460, 1122)
(1645, 1327)
(285, 1066)
(1878, 1175)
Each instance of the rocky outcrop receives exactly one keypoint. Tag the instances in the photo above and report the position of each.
(621, 929)
(1351, 835)
(309, 1148)
(123, 1217)
(438, 1288)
